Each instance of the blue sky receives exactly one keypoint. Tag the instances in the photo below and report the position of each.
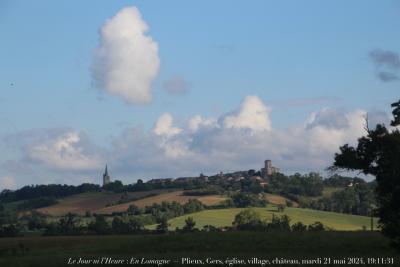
(296, 57)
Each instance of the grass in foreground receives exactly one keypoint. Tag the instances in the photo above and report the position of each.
(55, 251)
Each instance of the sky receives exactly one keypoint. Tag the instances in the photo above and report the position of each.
(178, 88)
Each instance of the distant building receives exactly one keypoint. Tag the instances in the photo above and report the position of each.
(184, 179)
(268, 169)
(159, 181)
(106, 177)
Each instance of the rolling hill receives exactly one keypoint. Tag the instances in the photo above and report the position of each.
(168, 196)
(99, 202)
(277, 199)
(225, 217)
(92, 202)
(106, 203)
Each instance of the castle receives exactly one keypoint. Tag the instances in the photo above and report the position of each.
(106, 177)
(268, 169)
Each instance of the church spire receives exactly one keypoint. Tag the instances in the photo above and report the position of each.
(106, 177)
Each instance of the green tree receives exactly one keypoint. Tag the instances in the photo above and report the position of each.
(378, 154)
(193, 205)
(243, 200)
(280, 207)
(136, 224)
(115, 186)
(68, 224)
(10, 230)
(134, 210)
(280, 224)
(247, 219)
(119, 226)
(317, 226)
(36, 220)
(7, 216)
(163, 224)
(100, 225)
(299, 227)
(189, 224)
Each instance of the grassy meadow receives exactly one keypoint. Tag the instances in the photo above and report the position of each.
(225, 217)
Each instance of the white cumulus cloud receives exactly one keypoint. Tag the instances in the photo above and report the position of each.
(164, 126)
(197, 121)
(126, 61)
(65, 151)
(253, 115)
(200, 144)
(213, 144)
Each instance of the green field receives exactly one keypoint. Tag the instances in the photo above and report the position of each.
(225, 217)
(55, 251)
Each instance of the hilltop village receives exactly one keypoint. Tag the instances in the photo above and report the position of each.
(261, 177)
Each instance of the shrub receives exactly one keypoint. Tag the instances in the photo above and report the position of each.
(317, 226)
(189, 224)
(248, 219)
(299, 227)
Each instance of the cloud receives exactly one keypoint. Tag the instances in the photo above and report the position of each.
(64, 152)
(126, 61)
(164, 126)
(386, 58)
(229, 142)
(329, 118)
(253, 115)
(198, 144)
(7, 182)
(387, 63)
(385, 76)
(57, 149)
(305, 101)
(197, 121)
(177, 85)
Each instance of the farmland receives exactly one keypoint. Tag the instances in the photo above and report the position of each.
(92, 202)
(277, 199)
(106, 202)
(166, 196)
(99, 202)
(225, 217)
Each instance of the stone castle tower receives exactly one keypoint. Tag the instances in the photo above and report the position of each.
(268, 169)
(106, 177)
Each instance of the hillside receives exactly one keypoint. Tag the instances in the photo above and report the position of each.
(92, 202)
(168, 196)
(277, 199)
(97, 202)
(225, 217)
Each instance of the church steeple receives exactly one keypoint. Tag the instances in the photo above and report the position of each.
(106, 177)
(106, 171)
